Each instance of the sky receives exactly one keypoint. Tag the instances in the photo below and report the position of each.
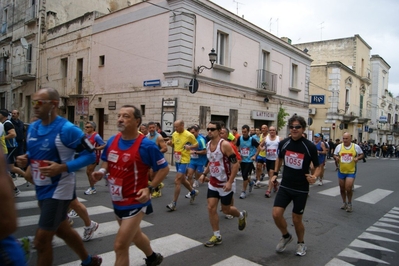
(377, 22)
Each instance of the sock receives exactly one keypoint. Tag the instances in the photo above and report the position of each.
(87, 261)
(303, 242)
(217, 234)
(152, 257)
(93, 187)
(241, 216)
(286, 235)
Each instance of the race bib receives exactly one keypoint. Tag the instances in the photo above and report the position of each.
(214, 168)
(177, 156)
(294, 160)
(113, 157)
(194, 156)
(115, 188)
(244, 152)
(271, 152)
(38, 178)
(346, 157)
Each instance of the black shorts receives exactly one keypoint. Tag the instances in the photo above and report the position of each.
(246, 169)
(53, 213)
(270, 165)
(225, 200)
(285, 196)
(11, 155)
(126, 214)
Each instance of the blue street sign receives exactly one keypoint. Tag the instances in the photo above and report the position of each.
(366, 128)
(317, 99)
(152, 83)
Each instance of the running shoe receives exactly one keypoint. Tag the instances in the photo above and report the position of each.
(158, 260)
(27, 246)
(194, 193)
(213, 241)
(242, 223)
(343, 207)
(301, 249)
(243, 195)
(90, 191)
(195, 184)
(89, 231)
(72, 213)
(262, 176)
(95, 261)
(267, 194)
(160, 186)
(17, 192)
(171, 206)
(188, 196)
(320, 182)
(257, 184)
(228, 216)
(251, 185)
(349, 208)
(156, 194)
(70, 221)
(276, 184)
(14, 176)
(283, 243)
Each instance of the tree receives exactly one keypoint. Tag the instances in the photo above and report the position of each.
(282, 114)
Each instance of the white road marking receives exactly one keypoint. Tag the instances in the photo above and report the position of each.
(235, 261)
(34, 219)
(333, 192)
(33, 204)
(358, 255)
(167, 246)
(374, 196)
(380, 230)
(338, 262)
(363, 244)
(388, 220)
(375, 237)
(385, 225)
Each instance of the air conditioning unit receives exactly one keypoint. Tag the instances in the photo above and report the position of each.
(312, 111)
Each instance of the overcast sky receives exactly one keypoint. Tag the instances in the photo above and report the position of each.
(377, 22)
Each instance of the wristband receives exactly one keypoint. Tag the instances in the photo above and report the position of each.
(102, 170)
(275, 173)
(151, 189)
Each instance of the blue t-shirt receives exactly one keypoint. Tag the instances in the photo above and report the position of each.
(11, 252)
(200, 159)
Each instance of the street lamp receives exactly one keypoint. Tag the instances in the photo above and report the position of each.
(212, 58)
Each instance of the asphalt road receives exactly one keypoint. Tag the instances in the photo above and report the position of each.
(367, 236)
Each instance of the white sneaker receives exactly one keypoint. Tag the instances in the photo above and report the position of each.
(257, 184)
(301, 249)
(243, 195)
(89, 231)
(188, 196)
(90, 191)
(320, 182)
(195, 184)
(72, 213)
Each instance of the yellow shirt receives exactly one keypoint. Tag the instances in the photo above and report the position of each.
(181, 155)
(2, 139)
(262, 153)
(347, 164)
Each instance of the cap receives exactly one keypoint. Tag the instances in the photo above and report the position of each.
(317, 135)
(4, 112)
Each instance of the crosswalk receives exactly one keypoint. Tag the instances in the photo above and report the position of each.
(380, 238)
(168, 245)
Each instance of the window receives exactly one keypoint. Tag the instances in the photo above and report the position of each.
(361, 105)
(64, 71)
(101, 60)
(294, 76)
(265, 60)
(142, 109)
(29, 58)
(79, 75)
(222, 44)
(4, 21)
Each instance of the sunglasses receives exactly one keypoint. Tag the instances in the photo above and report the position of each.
(40, 102)
(296, 127)
(211, 129)
(88, 127)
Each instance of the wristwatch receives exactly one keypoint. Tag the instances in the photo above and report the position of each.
(151, 189)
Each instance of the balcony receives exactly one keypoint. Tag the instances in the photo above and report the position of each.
(24, 71)
(30, 15)
(4, 78)
(395, 128)
(362, 119)
(266, 82)
(349, 116)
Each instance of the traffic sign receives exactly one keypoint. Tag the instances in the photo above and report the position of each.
(152, 83)
(193, 86)
(333, 126)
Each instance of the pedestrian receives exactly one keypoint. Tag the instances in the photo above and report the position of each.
(127, 157)
(248, 147)
(52, 143)
(20, 131)
(223, 167)
(99, 144)
(347, 154)
(271, 145)
(183, 142)
(322, 150)
(297, 153)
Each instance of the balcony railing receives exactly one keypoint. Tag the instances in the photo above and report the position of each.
(30, 14)
(3, 28)
(266, 81)
(23, 71)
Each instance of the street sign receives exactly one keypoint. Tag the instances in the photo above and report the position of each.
(341, 126)
(193, 86)
(333, 126)
(152, 83)
(366, 128)
(317, 99)
(310, 121)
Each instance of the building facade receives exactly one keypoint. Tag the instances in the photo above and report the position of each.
(153, 55)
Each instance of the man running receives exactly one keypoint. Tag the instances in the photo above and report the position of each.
(52, 142)
(297, 153)
(127, 157)
(183, 142)
(271, 145)
(347, 154)
(223, 167)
